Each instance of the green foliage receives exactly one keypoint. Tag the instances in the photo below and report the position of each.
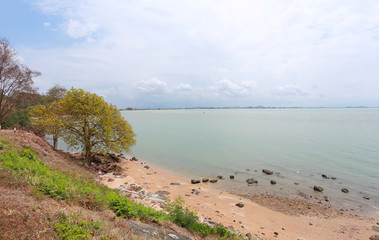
(94, 125)
(16, 117)
(24, 164)
(72, 228)
(124, 208)
(183, 217)
(86, 121)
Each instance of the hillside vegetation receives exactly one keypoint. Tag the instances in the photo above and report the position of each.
(47, 195)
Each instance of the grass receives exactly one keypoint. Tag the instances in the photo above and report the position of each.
(70, 227)
(25, 166)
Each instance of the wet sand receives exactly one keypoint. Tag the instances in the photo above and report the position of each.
(263, 216)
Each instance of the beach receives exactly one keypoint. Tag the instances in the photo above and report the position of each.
(264, 217)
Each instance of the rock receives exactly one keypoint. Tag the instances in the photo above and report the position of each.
(273, 182)
(366, 197)
(194, 181)
(375, 228)
(147, 167)
(231, 177)
(318, 188)
(174, 183)
(205, 180)
(374, 237)
(345, 190)
(219, 177)
(134, 159)
(194, 191)
(248, 235)
(276, 233)
(115, 158)
(324, 176)
(251, 181)
(213, 180)
(268, 172)
(240, 204)
(333, 178)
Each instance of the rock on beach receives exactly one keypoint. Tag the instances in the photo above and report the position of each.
(318, 189)
(268, 172)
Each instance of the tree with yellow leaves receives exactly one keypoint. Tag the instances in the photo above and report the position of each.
(48, 118)
(90, 123)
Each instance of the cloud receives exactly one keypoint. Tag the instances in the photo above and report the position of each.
(229, 88)
(153, 86)
(183, 87)
(214, 48)
(291, 90)
(46, 24)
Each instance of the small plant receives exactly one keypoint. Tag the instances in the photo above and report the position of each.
(2, 146)
(71, 227)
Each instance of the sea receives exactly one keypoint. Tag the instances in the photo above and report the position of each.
(297, 144)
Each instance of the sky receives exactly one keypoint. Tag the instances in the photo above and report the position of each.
(191, 53)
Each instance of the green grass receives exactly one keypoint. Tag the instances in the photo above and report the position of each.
(71, 227)
(25, 165)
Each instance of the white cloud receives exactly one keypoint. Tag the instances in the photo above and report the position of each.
(291, 90)
(153, 86)
(282, 45)
(229, 88)
(183, 87)
(46, 24)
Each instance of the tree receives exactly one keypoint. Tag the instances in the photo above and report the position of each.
(90, 123)
(48, 118)
(15, 79)
(55, 93)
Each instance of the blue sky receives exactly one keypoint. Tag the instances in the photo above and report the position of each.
(202, 53)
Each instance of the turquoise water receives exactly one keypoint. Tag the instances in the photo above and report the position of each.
(301, 144)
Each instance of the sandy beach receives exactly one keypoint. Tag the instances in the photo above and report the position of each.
(272, 218)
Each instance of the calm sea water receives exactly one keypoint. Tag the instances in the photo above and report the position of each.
(301, 144)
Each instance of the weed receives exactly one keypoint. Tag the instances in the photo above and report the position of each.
(71, 227)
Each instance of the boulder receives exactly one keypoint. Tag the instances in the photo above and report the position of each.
(374, 237)
(366, 197)
(205, 180)
(344, 190)
(251, 181)
(333, 178)
(194, 191)
(231, 176)
(325, 176)
(114, 157)
(219, 177)
(194, 181)
(318, 189)
(147, 167)
(213, 180)
(268, 172)
(240, 204)
(273, 182)
(375, 228)
(134, 159)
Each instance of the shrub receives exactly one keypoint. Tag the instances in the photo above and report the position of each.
(71, 227)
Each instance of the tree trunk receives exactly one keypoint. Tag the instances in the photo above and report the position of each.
(55, 142)
(88, 155)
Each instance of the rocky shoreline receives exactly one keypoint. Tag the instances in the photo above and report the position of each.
(255, 215)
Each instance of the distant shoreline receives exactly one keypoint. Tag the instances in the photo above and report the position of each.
(257, 107)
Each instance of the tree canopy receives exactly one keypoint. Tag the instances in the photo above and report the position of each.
(15, 79)
(86, 121)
